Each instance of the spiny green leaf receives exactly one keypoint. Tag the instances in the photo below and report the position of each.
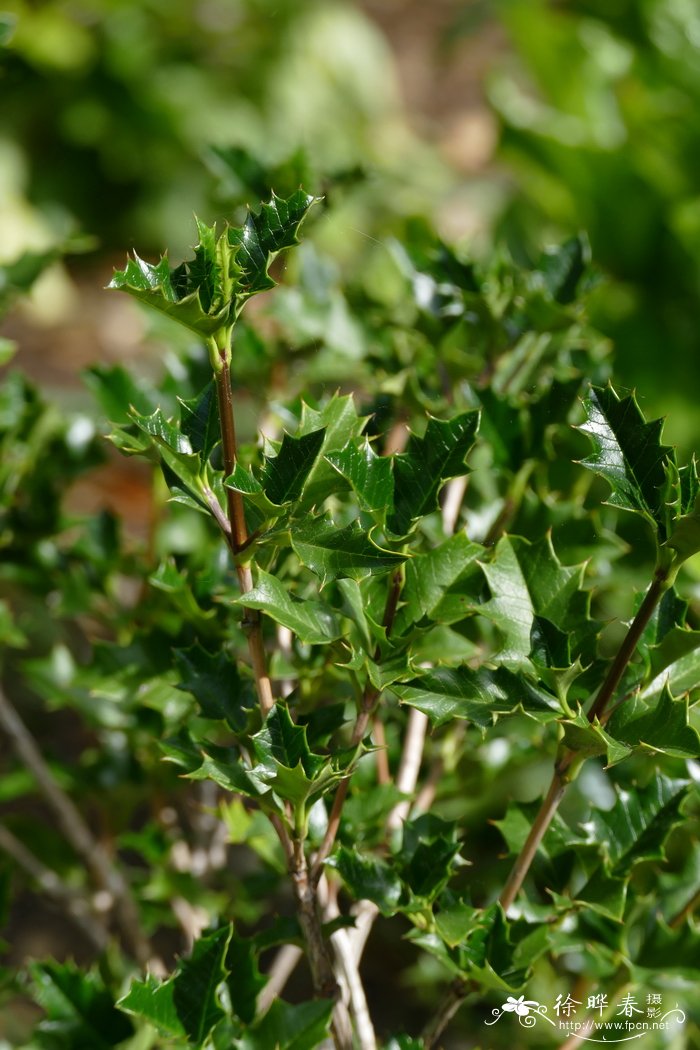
(200, 421)
(369, 878)
(339, 418)
(244, 980)
(664, 949)
(428, 577)
(262, 236)
(628, 453)
(282, 742)
(638, 824)
(479, 695)
(331, 552)
(605, 894)
(589, 738)
(227, 770)
(187, 1003)
(287, 1027)
(214, 682)
(207, 293)
(662, 728)
(685, 486)
(313, 622)
(427, 463)
(78, 1004)
(285, 473)
(369, 475)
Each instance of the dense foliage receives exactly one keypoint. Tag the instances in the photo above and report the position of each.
(321, 700)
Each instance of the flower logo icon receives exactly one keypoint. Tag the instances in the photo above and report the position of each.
(521, 1006)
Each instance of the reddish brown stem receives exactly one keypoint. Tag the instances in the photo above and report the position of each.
(252, 622)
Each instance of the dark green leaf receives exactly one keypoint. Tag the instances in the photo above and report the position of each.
(638, 824)
(265, 234)
(200, 421)
(245, 980)
(207, 293)
(187, 1003)
(331, 552)
(286, 473)
(664, 728)
(287, 1027)
(480, 695)
(369, 878)
(628, 453)
(80, 1011)
(428, 462)
(214, 682)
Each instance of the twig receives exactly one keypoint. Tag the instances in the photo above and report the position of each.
(382, 758)
(53, 886)
(348, 966)
(455, 491)
(70, 820)
(370, 698)
(511, 504)
(409, 768)
(239, 535)
(685, 912)
(453, 1000)
(563, 773)
(283, 966)
(598, 711)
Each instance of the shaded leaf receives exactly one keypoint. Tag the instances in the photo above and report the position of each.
(427, 463)
(285, 473)
(214, 682)
(187, 1003)
(80, 1011)
(368, 878)
(287, 1027)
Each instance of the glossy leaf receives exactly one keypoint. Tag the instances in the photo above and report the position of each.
(331, 552)
(286, 472)
(663, 728)
(637, 826)
(311, 621)
(428, 576)
(427, 463)
(207, 293)
(369, 475)
(214, 682)
(369, 878)
(200, 421)
(480, 696)
(628, 453)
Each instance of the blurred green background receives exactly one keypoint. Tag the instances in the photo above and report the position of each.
(521, 120)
